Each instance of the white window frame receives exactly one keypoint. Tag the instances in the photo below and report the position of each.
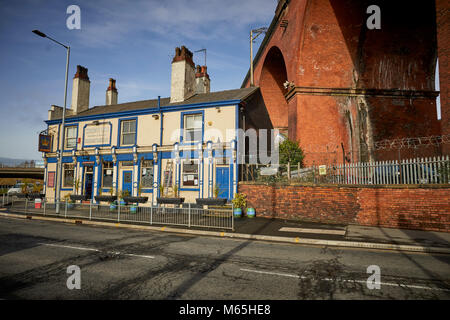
(73, 138)
(127, 133)
(193, 129)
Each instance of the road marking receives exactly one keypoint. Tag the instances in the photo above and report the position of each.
(140, 256)
(96, 250)
(68, 247)
(347, 280)
(318, 231)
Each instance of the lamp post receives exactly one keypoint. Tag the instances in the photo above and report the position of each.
(59, 165)
(252, 38)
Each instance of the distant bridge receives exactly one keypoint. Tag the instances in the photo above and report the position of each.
(23, 173)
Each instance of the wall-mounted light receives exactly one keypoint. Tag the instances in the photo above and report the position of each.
(218, 109)
(155, 116)
(96, 122)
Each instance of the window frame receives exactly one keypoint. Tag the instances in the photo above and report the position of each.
(109, 167)
(146, 164)
(121, 133)
(183, 173)
(65, 165)
(66, 137)
(184, 130)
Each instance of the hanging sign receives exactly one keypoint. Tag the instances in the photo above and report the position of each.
(45, 143)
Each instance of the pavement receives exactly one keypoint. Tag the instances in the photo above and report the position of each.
(309, 233)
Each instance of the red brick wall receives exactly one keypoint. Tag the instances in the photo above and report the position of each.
(397, 207)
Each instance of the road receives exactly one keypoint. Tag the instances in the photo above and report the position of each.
(118, 263)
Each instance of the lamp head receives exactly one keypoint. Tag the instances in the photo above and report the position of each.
(41, 34)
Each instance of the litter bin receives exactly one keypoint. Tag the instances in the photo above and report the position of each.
(37, 203)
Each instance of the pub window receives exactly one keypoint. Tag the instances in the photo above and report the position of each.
(128, 132)
(190, 173)
(147, 174)
(107, 174)
(193, 124)
(68, 175)
(71, 137)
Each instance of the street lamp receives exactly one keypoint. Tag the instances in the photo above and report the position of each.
(252, 38)
(59, 165)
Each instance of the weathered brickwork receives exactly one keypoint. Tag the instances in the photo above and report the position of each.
(410, 207)
(351, 85)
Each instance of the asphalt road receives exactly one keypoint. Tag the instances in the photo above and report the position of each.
(117, 263)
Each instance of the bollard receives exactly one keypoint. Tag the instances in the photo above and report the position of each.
(90, 209)
(26, 205)
(45, 205)
(65, 209)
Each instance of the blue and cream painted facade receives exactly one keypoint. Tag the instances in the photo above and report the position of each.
(158, 138)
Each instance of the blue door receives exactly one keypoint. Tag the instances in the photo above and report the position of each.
(223, 181)
(127, 181)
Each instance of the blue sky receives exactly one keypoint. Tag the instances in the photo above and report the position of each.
(130, 41)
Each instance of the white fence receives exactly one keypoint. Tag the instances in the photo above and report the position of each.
(434, 170)
(187, 215)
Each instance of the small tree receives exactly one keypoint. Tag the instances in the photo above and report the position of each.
(290, 152)
(291, 155)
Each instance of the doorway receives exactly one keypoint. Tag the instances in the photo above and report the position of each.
(127, 181)
(223, 181)
(88, 181)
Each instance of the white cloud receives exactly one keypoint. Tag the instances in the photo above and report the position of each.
(110, 22)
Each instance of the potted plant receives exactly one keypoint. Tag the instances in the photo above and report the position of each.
(216, 201)
(167, 200)
(138, 199)
(123, 194)
(69, 201)
(105, 198)
(239, 202)
(76, 196)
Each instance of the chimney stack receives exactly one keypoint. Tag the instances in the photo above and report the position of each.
(202, 81)
(111, 92)
(80, 90)
(183, 75)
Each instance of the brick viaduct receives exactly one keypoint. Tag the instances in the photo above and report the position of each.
(352, 85)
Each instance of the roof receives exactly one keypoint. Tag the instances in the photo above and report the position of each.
(218, 96)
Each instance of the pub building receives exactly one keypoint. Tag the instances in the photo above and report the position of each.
(188, 140)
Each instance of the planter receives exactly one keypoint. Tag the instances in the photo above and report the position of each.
(75, 197)
(70, 205)
(133, 208)
(250, 212)
(211, 201)
(170, 200)
(21, 195)
(112, 206)
(135, 199)
(237, 213)
(32, 196)
(122, 202)
(105, 198)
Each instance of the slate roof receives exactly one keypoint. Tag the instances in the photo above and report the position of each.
(218, 96)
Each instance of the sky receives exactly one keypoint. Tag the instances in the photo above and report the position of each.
(130, 41)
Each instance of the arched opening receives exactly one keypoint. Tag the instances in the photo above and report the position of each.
(273, 75)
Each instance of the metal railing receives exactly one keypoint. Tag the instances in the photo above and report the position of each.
(435, 170)
(187, 215)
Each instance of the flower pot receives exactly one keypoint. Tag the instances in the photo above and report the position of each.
(133, 208)
(112, 206)
(105, 198)
(135, 199)
(122, 202)
(75, 197)
(250, 212)
(170, 200)
(70, 205)
(211, 201)
(237, 212)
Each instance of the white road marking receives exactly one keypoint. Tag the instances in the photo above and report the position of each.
(140, 256)
(96, 250)
(317, 231)
(68, 247)
(349, 280)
